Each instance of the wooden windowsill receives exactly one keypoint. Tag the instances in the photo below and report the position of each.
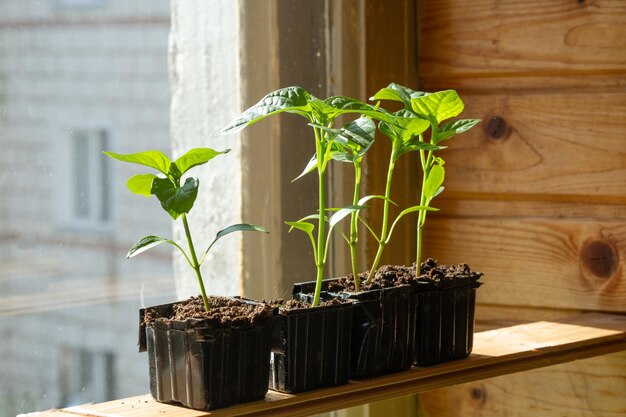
(496, 352)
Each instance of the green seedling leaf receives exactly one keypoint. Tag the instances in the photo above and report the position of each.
(397, 92)
(439, 191)
(353, 140)
(240, 227)
(289, 99)
(146, 243)
(306, 227)
(416, 145)
(196, 157)
(310, 166)
(175, 200)
(141, 184)
(404, 213)
(450, 129)
(433, 182)
(439, 106)
(367, 198)
(345, 105)
(153, 159)
(411, 127)
(342, 213)
(358, 134)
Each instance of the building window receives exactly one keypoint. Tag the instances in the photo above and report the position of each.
(87, 183)
(85, 376)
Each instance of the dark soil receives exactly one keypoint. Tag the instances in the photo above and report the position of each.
(442, 274)
(224, 312)
(393, 275)
(295, 304)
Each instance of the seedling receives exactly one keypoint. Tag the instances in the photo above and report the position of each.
(432, 108)
(404, 132)
(177, 199)
(352, 143)
(321, 115)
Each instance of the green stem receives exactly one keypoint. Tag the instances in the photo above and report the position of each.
(321, 229)
(195, 265)
(354, 225)
(383, 233)
(421, 219)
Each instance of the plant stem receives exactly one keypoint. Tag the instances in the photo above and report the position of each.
(383, 233)
(421, 219)
(354, 224)
(321, 229)
(195, 265)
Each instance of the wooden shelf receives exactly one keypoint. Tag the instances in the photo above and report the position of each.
(496, 352)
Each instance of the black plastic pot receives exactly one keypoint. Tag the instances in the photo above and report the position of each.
(444, 322)
(203, 367)
(383, 328)
(311, 348)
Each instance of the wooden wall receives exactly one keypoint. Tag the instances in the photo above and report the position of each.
(536, 195)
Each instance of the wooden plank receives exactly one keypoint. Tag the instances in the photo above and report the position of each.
(536, 262)
(594, 82)
(512, 205)
(552, 144)
(592, 387)
(521, 36)
(496, 352)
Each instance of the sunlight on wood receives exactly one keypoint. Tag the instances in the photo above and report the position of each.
(496, 352)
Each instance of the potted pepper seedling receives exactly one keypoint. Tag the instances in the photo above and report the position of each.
(446, 294)
(324, 361)
(205, 352)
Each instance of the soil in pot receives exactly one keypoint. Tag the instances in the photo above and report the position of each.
(311, 348)
(208, 360)
(445, 312)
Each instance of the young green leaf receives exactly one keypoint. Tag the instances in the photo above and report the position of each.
(175, 200)
(351, 141)
(339, 105)
(240, 227)
(289, 99)
(397, 92)
(342, 213)
(433, 182)
(196, 157)
(153, 159)
(310, 166)
(416, 145)
(367, 198)
(408, 211)
(146, 243)
(450, 129)
(441, 105)
(141, 184)
(306, 227)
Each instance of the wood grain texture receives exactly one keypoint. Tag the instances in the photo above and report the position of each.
(492, 36)
(554, 143)
(391, 56)
(481, 205)
(592, 387)
(496, 352)
(536, 262)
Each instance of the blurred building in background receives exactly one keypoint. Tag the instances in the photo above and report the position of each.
(78, 77)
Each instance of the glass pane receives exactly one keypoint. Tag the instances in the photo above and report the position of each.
(78, 77)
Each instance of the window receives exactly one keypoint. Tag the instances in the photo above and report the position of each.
(90, 189)
(85, 376)
(77, 77)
